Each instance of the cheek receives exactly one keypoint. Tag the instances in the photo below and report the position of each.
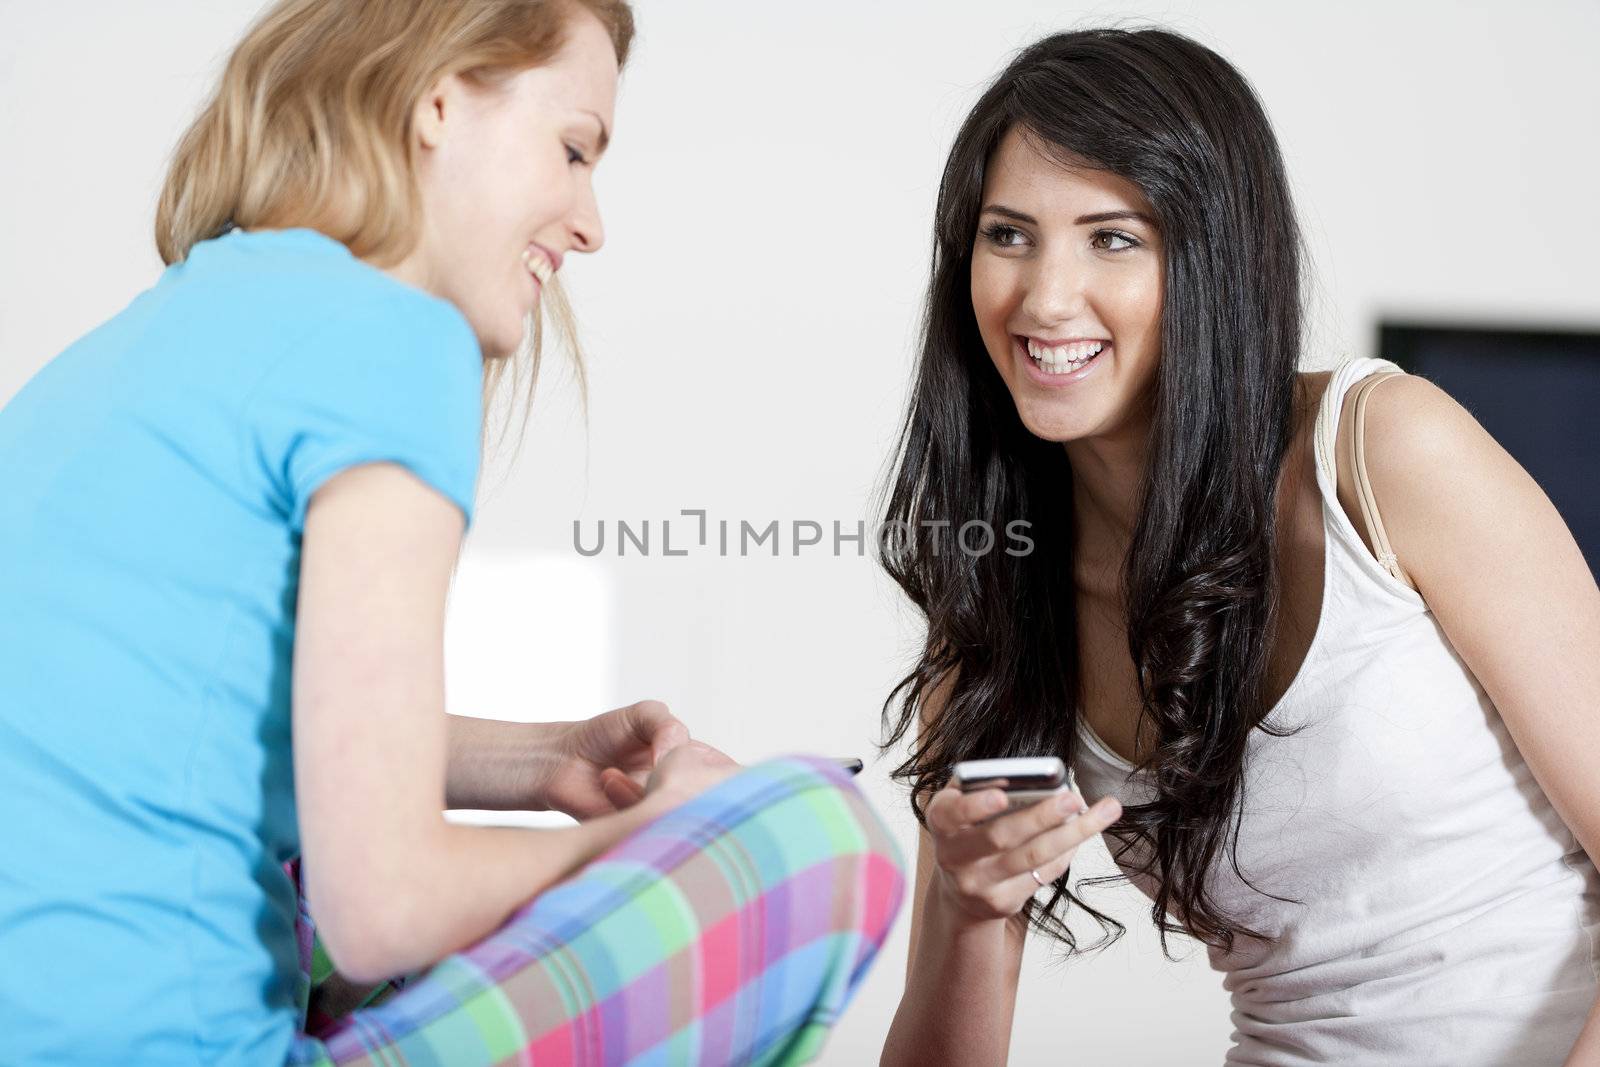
(539, 188)
(993, 297)
(543, 196)
(510, 187)
(1135, 308)
(1132, 304)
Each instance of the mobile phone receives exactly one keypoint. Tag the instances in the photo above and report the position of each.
(1025, 779)
(850, 763)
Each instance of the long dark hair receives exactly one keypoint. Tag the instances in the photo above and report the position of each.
(1178, 121)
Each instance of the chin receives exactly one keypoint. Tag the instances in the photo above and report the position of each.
(1053, 426)
(504, 340)
(1055, 435)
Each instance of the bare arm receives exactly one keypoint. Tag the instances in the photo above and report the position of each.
(961, 981)
(393, 885)
(496, 765)
(967, 930)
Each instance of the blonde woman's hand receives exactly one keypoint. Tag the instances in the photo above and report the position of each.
(601, 764)
(985, 868)
(687, 771)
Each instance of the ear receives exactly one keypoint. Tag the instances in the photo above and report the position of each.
(436, 108)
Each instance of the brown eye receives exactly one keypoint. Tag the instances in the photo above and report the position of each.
(999, 233)
(1129, 241)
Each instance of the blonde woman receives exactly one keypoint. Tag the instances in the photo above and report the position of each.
(230, 517)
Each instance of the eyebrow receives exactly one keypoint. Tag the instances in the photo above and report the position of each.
(605, 135)
(1081, 220)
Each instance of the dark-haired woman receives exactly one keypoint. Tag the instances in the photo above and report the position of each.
(1321, 654)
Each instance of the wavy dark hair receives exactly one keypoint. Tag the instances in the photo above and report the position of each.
(1202, 601)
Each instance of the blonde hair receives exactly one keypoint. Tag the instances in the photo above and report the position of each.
(311, 126)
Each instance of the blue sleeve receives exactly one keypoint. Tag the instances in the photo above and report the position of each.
(397, 379)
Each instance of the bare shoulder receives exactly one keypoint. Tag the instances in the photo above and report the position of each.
(1414, 434)
(1429, 466)
(1414, 416)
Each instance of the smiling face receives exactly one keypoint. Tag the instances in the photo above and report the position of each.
(1066, 290)
(505, 170)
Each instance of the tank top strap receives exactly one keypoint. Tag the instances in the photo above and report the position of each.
(1325, 440)
(1327, 429)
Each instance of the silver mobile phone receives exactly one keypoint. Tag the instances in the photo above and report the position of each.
(1025, 779)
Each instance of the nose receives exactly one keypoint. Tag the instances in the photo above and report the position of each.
(586, 231)
(1055, 290)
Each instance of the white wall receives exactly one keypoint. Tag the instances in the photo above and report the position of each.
(749, 326)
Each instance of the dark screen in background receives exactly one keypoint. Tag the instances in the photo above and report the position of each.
(1537, 392)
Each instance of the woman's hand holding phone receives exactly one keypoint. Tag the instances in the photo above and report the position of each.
(985, 861)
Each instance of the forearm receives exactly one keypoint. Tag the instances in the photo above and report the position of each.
(961, 993)
(1586, 1053)
(497, 765)
(460, 883)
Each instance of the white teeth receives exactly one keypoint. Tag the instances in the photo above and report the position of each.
(1063, 358)
(537, 265)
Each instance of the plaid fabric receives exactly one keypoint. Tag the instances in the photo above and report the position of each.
(318, 1009)
(734, 929)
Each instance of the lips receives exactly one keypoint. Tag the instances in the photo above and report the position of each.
(1061, 356)
(1053, 366)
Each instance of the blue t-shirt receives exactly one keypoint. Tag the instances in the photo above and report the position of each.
(153, 487)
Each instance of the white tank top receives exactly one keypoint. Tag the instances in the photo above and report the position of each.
(1449, 916)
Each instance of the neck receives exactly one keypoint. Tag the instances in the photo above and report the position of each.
(1107, 473)
(410, 270)
(416, 267)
